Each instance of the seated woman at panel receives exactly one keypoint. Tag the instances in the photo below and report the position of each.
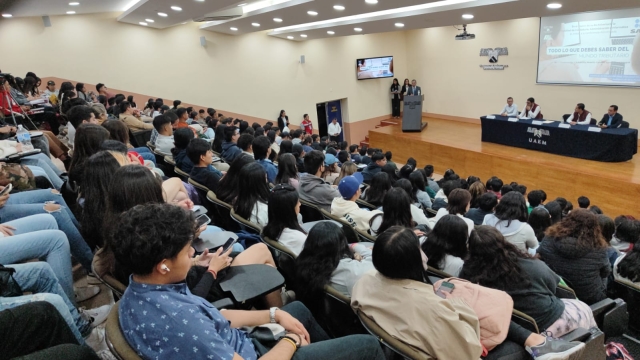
(458, 203)
(250, 200)
(154, 241)
(228, 185)
(446, 245)
(397, 297)
(575, 249)
(327, 259)
(375, 193)
(510, 219)
(283, 226)
(288, 171)
(496, 263)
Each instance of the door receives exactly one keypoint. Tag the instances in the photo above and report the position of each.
(321, 112)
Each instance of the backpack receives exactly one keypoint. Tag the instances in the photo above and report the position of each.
(492, 307)
(617, 351)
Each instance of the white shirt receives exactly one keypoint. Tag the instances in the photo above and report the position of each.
(510, 110)
(293, 240)
(260, 214)
(532, 114)
(71, 133)
(334, 129)
(164, 144)
(586, 121)
(442, 212)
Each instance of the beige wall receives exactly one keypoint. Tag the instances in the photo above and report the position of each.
(255, 75)
(455, 85)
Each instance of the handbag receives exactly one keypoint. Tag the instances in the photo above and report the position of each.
(8, 285)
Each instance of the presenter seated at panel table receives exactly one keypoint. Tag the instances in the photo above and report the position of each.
(611, 119)
(414, 89)
(532, 110)
(334, 130)
(510, 109)
(580, 116)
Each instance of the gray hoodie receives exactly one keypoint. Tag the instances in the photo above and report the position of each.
(314, 190)
(516, 232)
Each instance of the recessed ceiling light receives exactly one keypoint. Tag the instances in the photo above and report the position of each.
(149, 20)
(303, 35)
(243, 4)
(176, 8)
(554, 6)
(70, 12)
(255, 24)
(162, 14)
(330, 32)
(6, 15)
(74, 3)
(277, 19)
(371, 1)
(312, 13)
(234, 29)
(338, 7)
(399, 25)
(290, 37)
(357, 29)
(143, 23)
(467, 16)
(200, 0)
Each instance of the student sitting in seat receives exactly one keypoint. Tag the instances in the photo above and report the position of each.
(164, 139)
(200, 153)
(228, 185)
(252, 194)
(288, 171)
(283, 226)
(375, 193)
(446, 245)
(346, 207)
(510, 219)
(182, 138)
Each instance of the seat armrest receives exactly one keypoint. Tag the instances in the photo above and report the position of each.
(225, 303)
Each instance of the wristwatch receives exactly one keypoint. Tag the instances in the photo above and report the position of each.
(272, 314)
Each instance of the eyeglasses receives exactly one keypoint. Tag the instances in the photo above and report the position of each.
(283, 187)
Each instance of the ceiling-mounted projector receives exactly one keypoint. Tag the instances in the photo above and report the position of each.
(465, 35)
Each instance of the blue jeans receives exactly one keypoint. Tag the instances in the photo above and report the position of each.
(39, 279)
(145, 153)
(32, 203)
(353, 347)
(38, 237)
(41, 160)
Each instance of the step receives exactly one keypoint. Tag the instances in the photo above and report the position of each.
(378, 126)
(366, 138)
(364, 143)
(388, 123)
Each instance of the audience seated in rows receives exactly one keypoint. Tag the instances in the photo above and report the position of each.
(346, 206)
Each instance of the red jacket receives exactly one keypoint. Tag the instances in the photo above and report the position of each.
(7, 104)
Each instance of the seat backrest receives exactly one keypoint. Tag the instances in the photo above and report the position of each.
(201, 190)
(630, 293)
(245, 224)
(624, 124)
(99, 266)
(565, 292)
(221, 215)
(285, 260)
(339, 318)
(151, 146)
(310, 212)
(565, 117)
(349, 231)
(181, 174)
(169, 160)
(525, 321)
(363, 204)
(430, 213)
(364, 236)
(139, 138)
(389, 341)
(115, 338)
(431, 271)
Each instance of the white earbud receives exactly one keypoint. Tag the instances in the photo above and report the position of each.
(165, 268)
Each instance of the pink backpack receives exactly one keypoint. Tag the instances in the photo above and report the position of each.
(493, 308)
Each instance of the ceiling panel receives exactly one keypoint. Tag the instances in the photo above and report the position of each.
(22, 8)
(149, 9)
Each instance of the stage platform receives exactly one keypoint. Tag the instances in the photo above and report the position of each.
(614, 187)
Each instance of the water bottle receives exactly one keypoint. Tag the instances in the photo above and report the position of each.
(24, 138)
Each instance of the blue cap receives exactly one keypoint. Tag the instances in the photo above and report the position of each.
(349, 185)
(329, 159)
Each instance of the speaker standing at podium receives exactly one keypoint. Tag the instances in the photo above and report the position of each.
(334, 130)
(414, 89)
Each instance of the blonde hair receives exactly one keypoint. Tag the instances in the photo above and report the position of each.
(348, 169)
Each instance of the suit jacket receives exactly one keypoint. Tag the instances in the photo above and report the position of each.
(281, 123)
(411, 92)
(615, 123)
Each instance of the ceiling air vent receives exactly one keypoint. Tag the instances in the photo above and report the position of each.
(221, 15)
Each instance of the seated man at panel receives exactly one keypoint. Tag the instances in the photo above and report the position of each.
(510, 109)
(131, 117)
(312, 188)
(164, 139)
(611, 119)
(200, 153)
(532, 111)
(261, 152)
(580, 116)
(346, 205)
(245, 143)
(229, 148)
(378, 160)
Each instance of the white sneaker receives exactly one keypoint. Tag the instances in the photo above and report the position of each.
(86, 293)
(105, 355)
(96, 340)
(96, 316)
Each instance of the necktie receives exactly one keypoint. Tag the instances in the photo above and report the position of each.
(610, 119)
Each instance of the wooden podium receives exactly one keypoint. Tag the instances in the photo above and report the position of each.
(412, 114)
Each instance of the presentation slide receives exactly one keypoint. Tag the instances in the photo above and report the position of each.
(374, 68)
(597, 48)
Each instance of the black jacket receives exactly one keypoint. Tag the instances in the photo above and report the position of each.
(615, 123)
(585, 269)
(370, 171)
(281, 123)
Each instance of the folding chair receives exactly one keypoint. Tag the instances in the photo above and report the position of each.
(115, 338)
(365, 236)
(221, 214)
(245, 224)
(349, 231)
(363, 204)
(285, 259)
(310, 212)
(395, 345)
(339, 318)
(202, 193)
(103, 273)
(181, 174)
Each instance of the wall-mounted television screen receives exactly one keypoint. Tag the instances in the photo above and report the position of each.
(374, 68)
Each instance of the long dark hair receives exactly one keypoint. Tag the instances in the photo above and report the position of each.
(448, 237)
(380, 184)
(405, 185)
(417, 182)
(539, 220)
(181, 139)
(287, 169)
(228, 185)
(629, 266)
(217, 142)
(283, 200)
(98, 172)
(512, 206)
(117, 130)
(88, 139)
(397, 210)
(458, 201)
(493, 261)
(252, 187)
(325, 246)
(286, 147)
(581, 225)
(397, 254)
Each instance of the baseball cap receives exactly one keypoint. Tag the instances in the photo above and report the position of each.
(349, 185)
(329, 159)
(51, 82)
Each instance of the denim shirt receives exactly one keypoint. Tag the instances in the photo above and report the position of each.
(168, 322)
(270, 169)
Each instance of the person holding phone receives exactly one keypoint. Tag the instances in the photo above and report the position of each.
(395, 99)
